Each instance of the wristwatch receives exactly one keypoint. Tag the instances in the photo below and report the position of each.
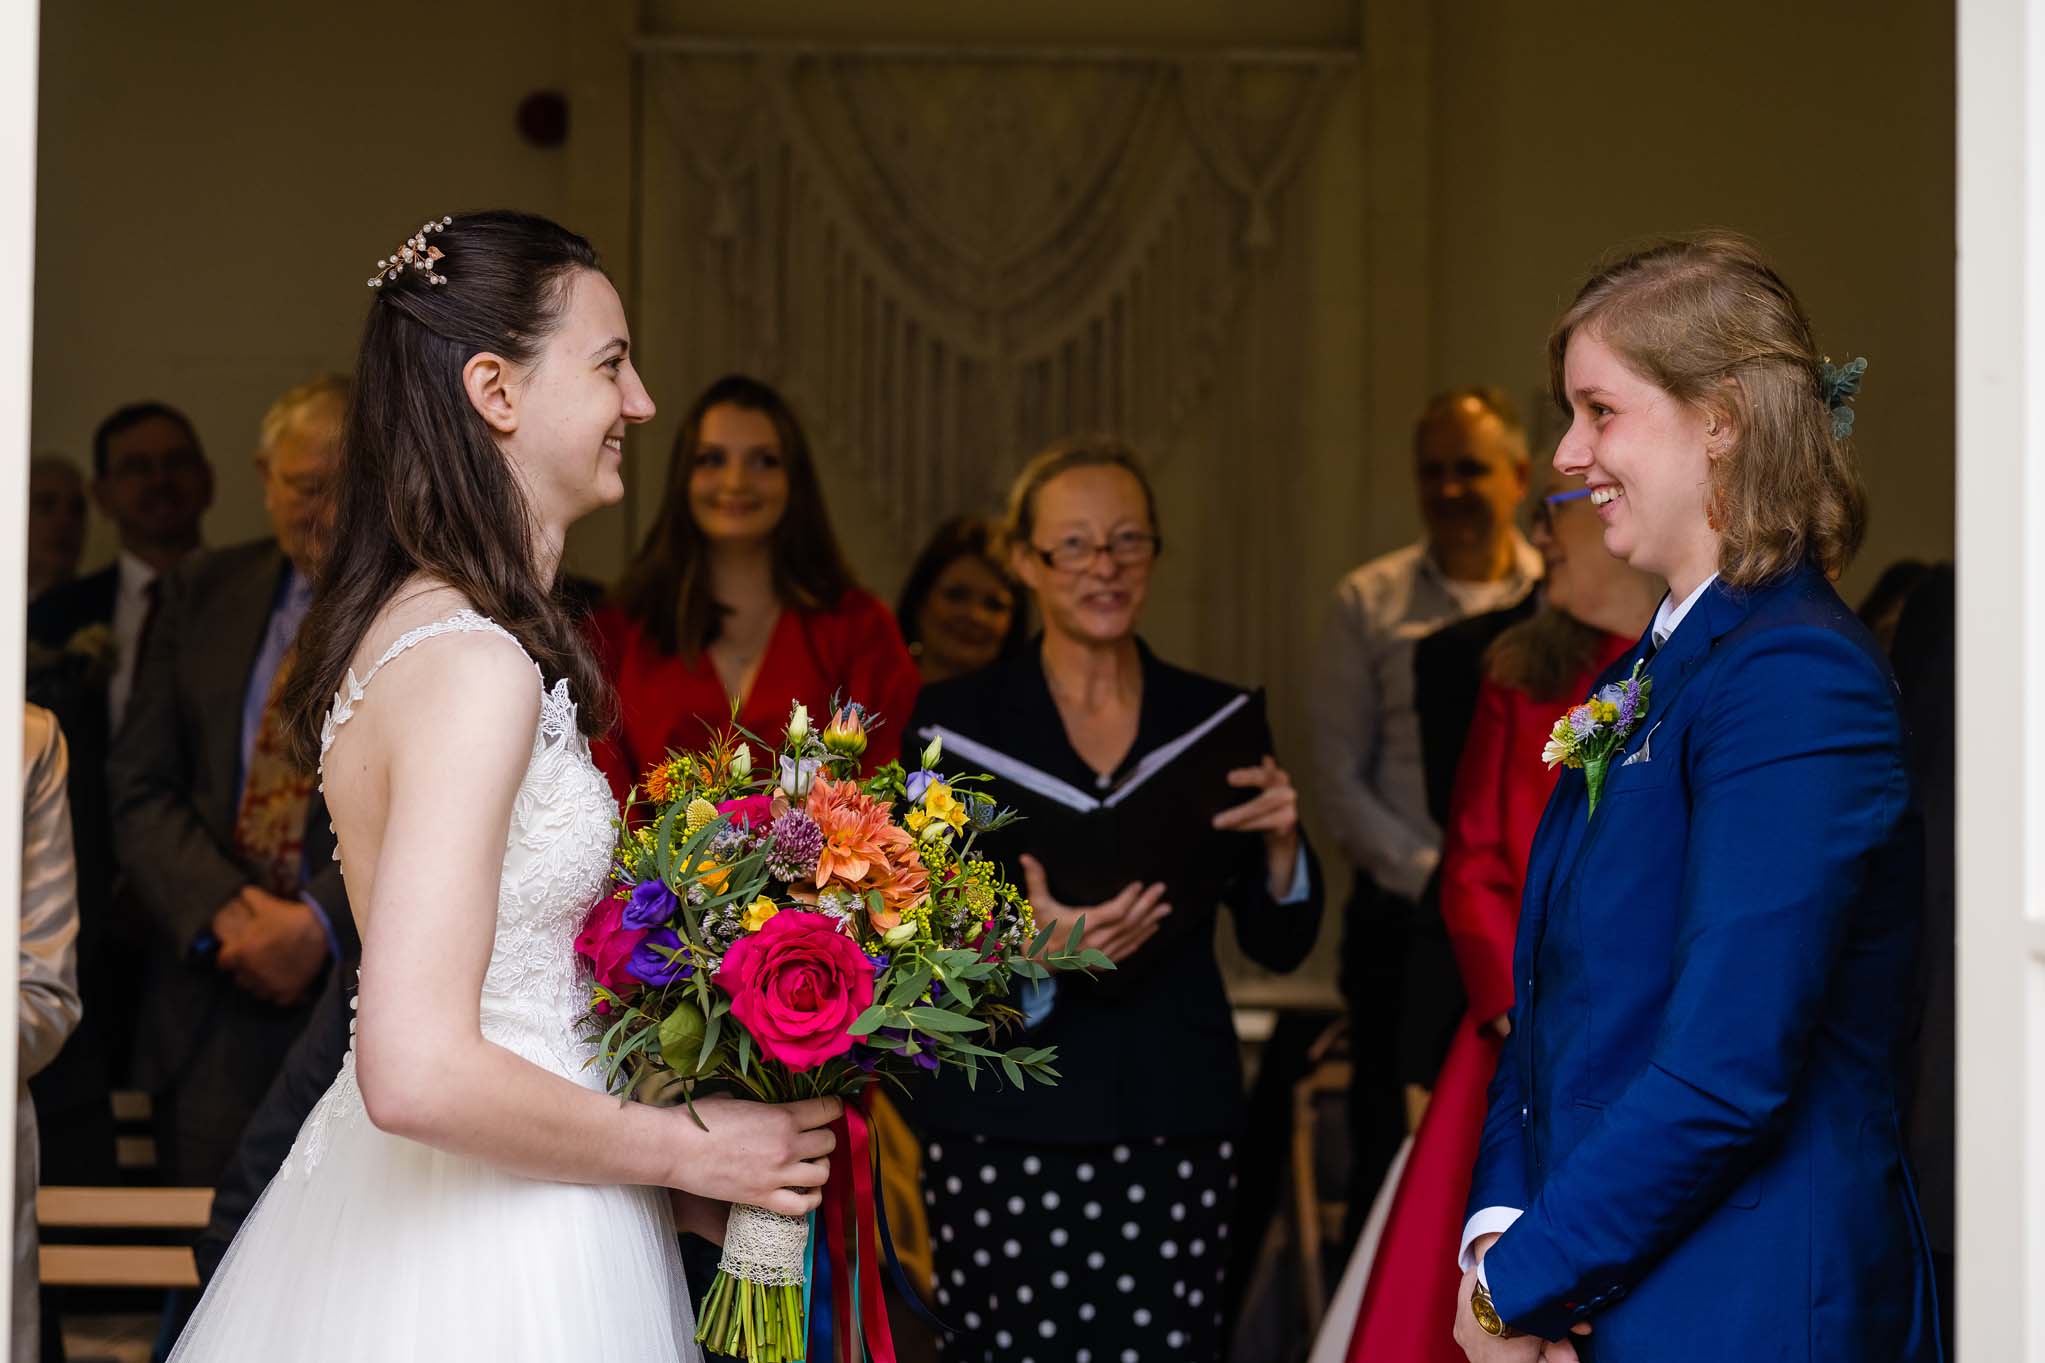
(1488, 1319)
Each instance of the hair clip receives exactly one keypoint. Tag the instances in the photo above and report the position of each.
(1839, 384)
(415, 254)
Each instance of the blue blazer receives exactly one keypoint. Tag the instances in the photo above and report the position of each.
(1697, 1108)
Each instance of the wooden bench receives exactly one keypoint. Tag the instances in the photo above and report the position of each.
(117, 1211)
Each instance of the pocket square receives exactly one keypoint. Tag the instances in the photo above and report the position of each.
(1645, 745)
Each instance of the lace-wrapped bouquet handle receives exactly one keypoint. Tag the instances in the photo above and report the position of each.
(790, 928)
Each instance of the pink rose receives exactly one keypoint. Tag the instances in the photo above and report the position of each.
(608, 944)
(750, 812)
(798, 984)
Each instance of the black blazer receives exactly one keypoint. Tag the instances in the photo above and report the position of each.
(175, 778)
(1149, 1049)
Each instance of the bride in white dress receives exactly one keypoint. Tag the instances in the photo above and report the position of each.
(466, 1190)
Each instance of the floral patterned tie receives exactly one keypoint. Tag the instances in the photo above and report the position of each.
(269, 828)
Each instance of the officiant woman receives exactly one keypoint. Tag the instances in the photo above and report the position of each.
(1091, 1219)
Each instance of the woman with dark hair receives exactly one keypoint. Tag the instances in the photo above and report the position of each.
(1092, 1219)
(466, 1189)
(740, 598)
(958, 609)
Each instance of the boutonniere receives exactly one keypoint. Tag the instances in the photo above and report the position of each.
(1590, 735)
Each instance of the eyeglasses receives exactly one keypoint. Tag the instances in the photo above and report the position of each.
(1129, 548)
(1542, 517)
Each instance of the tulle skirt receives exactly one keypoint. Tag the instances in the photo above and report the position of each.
(382, 1248)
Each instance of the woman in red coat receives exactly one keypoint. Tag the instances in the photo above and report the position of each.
(741, 595)
(1594, 608)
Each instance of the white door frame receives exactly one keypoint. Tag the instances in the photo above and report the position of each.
(17, 325)
(2001, 727)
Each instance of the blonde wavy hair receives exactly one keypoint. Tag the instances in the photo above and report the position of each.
(1707, 320)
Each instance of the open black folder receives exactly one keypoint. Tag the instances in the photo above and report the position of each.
(1149, 825)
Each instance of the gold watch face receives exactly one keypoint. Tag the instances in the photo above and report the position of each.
(1487, 1315)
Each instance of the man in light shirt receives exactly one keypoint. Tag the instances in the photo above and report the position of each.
(1471, 469)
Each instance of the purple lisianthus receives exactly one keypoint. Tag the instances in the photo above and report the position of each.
(918, 783)
(661, 959)
(652, 904)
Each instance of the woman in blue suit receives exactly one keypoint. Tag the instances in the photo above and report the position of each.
(1692, 1148)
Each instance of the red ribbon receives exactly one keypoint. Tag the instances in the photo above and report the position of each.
(849, 1220)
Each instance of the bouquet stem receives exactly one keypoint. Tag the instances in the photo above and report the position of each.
(753, 1310)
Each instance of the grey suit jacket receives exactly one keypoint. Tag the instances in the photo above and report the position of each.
(175, 778)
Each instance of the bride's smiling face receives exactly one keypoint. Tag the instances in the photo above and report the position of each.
(1645, 456)
(574, 403)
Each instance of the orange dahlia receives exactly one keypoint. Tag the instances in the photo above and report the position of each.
(855, 828)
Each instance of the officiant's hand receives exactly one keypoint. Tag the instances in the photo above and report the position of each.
(1274, 812)
(1115, 928)
(772, 1155)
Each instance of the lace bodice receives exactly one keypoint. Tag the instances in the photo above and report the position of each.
(556, 857)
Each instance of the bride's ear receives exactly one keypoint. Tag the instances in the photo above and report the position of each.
(486, 378)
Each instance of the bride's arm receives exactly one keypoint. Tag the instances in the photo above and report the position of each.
(453, 737)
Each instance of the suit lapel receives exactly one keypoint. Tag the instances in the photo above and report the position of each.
(221, 675)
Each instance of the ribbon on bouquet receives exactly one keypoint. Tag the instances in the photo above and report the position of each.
(851, 1241)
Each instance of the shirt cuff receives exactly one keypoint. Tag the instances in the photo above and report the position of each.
(326, 923)
(1489, 1221)
(1300, 888)
(1037, 998)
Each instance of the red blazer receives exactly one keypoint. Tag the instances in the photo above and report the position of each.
(1502, 787)
(668, 702)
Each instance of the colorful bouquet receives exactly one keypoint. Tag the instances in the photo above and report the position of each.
(1591, 734)
(799, 932)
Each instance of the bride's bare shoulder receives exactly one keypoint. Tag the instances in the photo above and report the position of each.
(472, 672)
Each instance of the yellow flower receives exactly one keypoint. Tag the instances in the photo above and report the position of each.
(916, 819)
(699, 813)
(758, 912)
(938, 800)
(711, 876)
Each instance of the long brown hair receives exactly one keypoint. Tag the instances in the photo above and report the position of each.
(1707, 320)
(1544, 655)
(423, 487)
(666, 590)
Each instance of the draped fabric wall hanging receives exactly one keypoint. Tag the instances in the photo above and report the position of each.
(946, 263)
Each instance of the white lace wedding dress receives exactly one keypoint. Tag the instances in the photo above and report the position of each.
(371, 1248)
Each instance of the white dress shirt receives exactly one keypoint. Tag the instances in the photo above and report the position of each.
(131, 612)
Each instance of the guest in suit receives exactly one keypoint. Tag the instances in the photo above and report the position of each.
(1094, 1216)
(56, 522)
(247, 900)
(960, 610)
(1471, 469)
(741, 598)
(1693, 1141)
(49, 1006)
(1594, 607)
(151, 479)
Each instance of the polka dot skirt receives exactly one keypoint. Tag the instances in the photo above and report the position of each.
(1079, 1254)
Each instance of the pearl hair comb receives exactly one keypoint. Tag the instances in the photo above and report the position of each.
(414, 254)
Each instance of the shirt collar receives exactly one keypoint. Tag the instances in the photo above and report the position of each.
(1527, 564)
(1670, 613)
(135, 575)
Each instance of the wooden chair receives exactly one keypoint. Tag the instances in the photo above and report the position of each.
(121, 1221)
(1318, 1103)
